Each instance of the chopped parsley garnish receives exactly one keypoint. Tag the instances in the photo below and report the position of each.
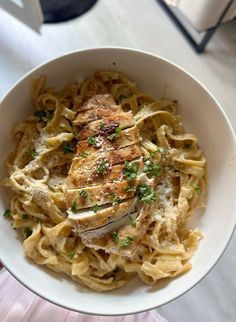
(83, 193)
(25, 216)
(132, 221)
(71, 254)
(40, 115)
(102, 166)
(7, 213)
(187, 145)
(151, 168)
(145, 193)
(126, 242)
(115, 200)
(101, 125)
(69, 148)
(95, 208)
(92, 140)
(84, 154)
(130, 170)
(115, 236)
(74, 207)
(32, 152)
(27, 232)
(198, 190)
(130, 188)
(114, 135)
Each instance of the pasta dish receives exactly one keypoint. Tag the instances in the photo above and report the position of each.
(105, 179)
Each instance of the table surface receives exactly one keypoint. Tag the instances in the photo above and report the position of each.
(141, 24)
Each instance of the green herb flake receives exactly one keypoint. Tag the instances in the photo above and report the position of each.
(71, 254)
(27, 232)
(84, 154)
(114, 135)
(83, 193)
(115, 236)
(95, 208)
(40, 115)
(187, 145)
(198, 190)
(92, 140)
(130, 188)
(32, 152)
(151, 168)
(145, 193)
(102, 166)
(130, 170)
(101, 125)
(7, 213)
(132, 221)
(74, 207)
(114, 199)
(25, 216)
(126, 242)
(69, 148)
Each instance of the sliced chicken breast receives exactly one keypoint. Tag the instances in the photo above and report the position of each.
(108, 125)
(91, 235)
(101, 198)
(96, 114)
(90, 219)
(90, 177)
(110, 158)
(121, 236)
(102, 194)
(98, 101)
(127, 137)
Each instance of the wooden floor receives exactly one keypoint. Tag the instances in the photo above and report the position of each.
(141, 24)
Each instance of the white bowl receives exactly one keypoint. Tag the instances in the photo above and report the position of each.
(202, 115)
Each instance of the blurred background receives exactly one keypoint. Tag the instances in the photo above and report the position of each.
(197, 35)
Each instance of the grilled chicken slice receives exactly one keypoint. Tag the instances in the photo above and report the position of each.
(90, 236)
(90, 219)
(120, 236)
(98, 101)
(90, 177)
(110, 158)
(96, 114)
(127, 137)
(107, 126)
(101, 194)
